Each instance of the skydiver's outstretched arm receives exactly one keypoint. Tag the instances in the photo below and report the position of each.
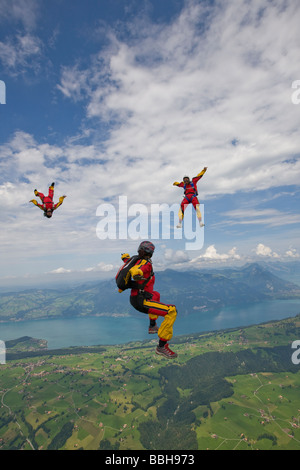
(201, 172)
(181, 185)
(61, 200)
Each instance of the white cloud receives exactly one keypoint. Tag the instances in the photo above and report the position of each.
(73, 82)
(175, 256)
(173, 98)
(180, 94)
(101, 267)
(24, 12)
(263, 250)
(22, 50)
(292, 253)
(211, 254)
(270, 217)
(60, 271)
(21, 53)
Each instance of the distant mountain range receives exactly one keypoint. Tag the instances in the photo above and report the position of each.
(213, 289)
(190, 291)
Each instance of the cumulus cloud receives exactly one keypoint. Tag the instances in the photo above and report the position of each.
(175, 256)
(211, 254)
(178, 91)
(292, 253)
(170, 113)
(210, 88)
(60, 271)
(263, 250)
(101, 267)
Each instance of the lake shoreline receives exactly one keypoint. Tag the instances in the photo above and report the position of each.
(121, 329)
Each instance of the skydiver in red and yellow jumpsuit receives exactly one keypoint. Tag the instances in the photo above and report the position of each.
(148, 300)
(190, 196)
(48, 205)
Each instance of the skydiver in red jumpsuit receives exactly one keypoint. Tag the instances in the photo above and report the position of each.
(47, 205)
(148, 301)
(190, 196)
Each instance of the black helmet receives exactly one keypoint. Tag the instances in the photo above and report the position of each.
(147, 247)
(47, 214)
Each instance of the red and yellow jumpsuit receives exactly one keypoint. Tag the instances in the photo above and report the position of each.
(148, 301)
(190, 195)
(47, 200)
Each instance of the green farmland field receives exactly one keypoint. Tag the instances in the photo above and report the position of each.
(231, 389)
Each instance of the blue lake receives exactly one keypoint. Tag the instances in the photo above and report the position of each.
(87, 331)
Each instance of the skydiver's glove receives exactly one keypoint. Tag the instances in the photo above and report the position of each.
(125, 256)
(176, 183)
(202, 172)
(136, 273)
(34, 202)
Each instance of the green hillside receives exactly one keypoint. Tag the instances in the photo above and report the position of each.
(231, 389)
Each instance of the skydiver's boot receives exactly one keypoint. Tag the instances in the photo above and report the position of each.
(153, 329)
(166, 351)
(179, 225)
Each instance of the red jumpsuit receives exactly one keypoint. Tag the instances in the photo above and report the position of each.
(47, 200)
(149, 302)
(190, 194)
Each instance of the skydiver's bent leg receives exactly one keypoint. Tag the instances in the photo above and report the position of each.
(165, 331)
(196, 205)
(183, 206)
(169, 313)
(40, 195)
(51, 192)
(153, 327)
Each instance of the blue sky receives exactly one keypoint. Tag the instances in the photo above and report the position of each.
(122, 98)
